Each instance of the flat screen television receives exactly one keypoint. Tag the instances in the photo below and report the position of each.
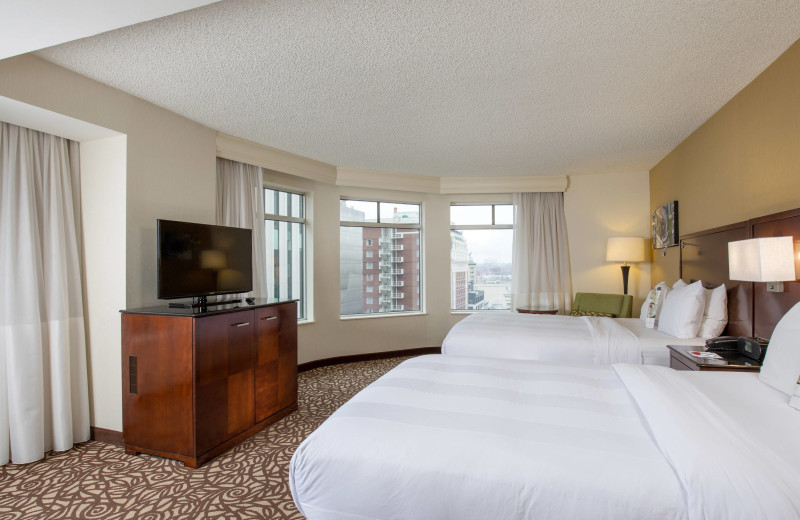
(199, 260)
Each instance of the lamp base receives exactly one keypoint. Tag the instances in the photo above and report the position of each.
(625, 270)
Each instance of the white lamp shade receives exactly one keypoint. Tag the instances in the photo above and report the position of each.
(762, 260)
(625, 249)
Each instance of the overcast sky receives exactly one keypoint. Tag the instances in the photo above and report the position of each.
(489, 246)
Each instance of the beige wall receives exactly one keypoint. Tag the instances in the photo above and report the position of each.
(169, 172)
(598, 207)
(744, 162)
(328, 335)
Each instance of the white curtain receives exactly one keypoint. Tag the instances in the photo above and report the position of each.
(541, 271)
(240, 203)
(44, 396)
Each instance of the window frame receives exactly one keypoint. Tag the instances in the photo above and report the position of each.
(304, 311)
(378, 223)
(493, 225)
(390, 225)
(470, 227)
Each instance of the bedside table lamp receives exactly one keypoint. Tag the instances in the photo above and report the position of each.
(625, 249)
(768, 260)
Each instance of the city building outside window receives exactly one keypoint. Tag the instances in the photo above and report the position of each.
(389, 232)
(285, 233)
(481, 238)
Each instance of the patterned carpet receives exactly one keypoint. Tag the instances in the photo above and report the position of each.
(98, 480)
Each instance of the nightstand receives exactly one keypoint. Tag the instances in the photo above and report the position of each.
(680, 359)
(536, 310)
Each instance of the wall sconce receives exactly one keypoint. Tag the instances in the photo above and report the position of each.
(625, 249)
(768, 260)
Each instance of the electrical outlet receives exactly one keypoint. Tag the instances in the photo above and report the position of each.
(774, 286)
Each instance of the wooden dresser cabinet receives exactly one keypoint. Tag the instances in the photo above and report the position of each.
(194, 384)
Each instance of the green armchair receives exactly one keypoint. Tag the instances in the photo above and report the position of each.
(618, 304)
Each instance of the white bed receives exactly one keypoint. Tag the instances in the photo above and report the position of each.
(584, 340)
(469, 438)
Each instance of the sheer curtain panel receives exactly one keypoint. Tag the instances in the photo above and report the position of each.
(240, 203)
(541, 272)
(44, 396)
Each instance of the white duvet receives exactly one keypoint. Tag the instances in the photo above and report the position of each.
(584, 340)
(450, 437)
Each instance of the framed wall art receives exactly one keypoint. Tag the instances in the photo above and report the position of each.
(665, 226)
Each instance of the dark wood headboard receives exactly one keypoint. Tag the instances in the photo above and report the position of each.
(752, 311)
(769, 307)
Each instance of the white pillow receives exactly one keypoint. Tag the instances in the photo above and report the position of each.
(659, 303)
(680, 283)
(715, 315)
(682, 311)
(782, 365)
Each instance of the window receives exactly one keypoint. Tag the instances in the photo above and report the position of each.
(395, 229)
(285, 230)
(480, 256)
(369, 277)
(368, 254)
(370, 288)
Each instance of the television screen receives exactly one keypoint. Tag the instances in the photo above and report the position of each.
(201, 260)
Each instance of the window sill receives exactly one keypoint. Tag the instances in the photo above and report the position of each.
(304, 322)
(375, 316)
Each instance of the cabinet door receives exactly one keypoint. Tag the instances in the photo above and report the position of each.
(287, 355)
(268, 323)
(224, 355)
(157, 383)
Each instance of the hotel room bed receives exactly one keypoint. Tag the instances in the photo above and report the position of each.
(470, 438)
(584, 340)
(451, 436)
(577, 340)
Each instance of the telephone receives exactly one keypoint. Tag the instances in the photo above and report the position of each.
(754, 348)
(723, 344)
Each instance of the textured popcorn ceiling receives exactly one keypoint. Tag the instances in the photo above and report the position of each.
(449, 88)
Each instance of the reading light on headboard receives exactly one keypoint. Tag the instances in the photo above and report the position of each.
(762, 260)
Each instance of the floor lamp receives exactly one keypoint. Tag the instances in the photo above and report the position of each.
(625, 249)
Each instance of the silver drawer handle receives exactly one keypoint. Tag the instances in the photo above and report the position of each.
(270, 318)
(243, 324)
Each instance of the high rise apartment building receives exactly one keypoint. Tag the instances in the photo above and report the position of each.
(459, 270)
(391, 270)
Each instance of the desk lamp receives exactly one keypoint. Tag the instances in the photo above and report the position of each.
(625, 249)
